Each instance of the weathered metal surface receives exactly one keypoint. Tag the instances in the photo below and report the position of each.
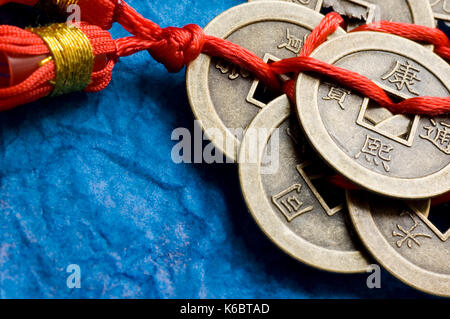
(394, 155)
(224, 98)
(287, 192)
(405, 240)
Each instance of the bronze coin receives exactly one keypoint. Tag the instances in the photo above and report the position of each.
(394, 155)
(405, 240)
(293, 202)
(224, 98)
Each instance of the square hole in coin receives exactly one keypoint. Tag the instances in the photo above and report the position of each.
(332, 198)
(259, 95)
(401, 128)
(440, 217)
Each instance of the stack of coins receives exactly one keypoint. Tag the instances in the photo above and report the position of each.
(288, 152)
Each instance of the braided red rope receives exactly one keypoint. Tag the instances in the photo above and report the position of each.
(413, 32)
(176, 47)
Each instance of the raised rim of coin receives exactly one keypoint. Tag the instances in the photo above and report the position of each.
(222, 26)
(271, 117)
(309, 115)
(440, 16)
(383, 252)
(317, 8)
(421, 11)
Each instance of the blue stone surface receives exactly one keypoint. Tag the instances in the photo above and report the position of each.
(88, 179)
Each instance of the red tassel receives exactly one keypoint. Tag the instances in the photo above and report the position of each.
(23, 44)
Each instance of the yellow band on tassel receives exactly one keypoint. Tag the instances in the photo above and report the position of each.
(73, 56)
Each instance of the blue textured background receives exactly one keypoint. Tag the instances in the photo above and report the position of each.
(88, 179)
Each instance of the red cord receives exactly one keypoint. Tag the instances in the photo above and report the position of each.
(413, 32)
(176, 47)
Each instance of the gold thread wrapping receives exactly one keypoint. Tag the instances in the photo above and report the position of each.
(64, 4)
(73, 56)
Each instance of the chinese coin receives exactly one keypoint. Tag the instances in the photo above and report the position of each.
(391, 154)
(225, 98)
(288, 194)
(406, 241)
